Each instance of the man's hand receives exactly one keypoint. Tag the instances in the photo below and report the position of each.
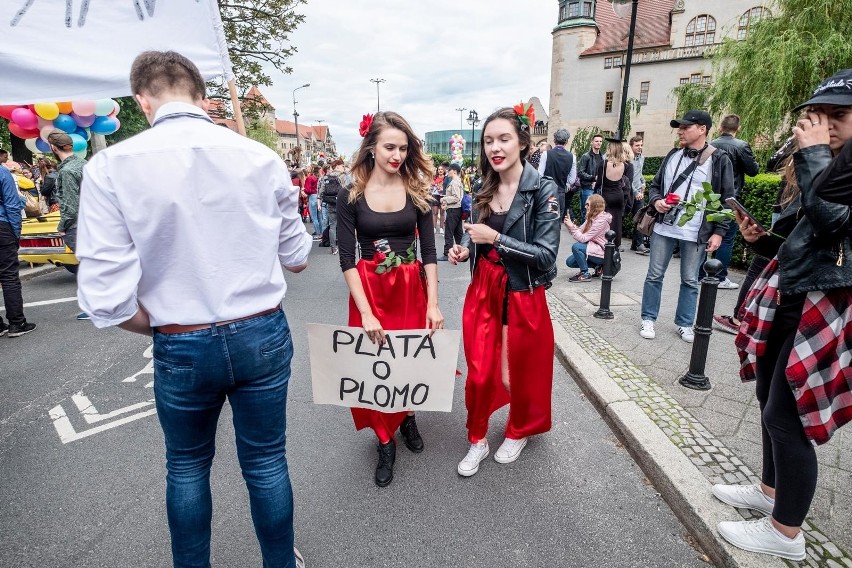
(661, 206)
(480, 233)
(458, 254)
(812, 129)
(714, 242)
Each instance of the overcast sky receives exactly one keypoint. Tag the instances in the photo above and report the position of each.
(436, 56)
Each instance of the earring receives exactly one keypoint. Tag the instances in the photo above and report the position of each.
(373, 155)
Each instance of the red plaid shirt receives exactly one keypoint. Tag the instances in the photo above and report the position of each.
(819, 369)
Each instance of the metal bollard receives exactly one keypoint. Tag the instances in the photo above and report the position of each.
(694, 377)
(606, 279)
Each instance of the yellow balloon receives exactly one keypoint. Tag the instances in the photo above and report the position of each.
(47, 111)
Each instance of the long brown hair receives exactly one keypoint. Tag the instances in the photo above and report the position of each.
(416, 170)
(596, 206)
(490, 178)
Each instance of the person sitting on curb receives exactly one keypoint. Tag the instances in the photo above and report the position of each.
(591, 240)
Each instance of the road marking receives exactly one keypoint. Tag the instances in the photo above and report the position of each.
(45, 302)
(91, 414)
(68, 434)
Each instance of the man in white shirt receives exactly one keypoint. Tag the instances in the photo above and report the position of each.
(176, 243)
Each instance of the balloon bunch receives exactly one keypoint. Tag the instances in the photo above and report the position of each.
(79, 119)
(457, 149)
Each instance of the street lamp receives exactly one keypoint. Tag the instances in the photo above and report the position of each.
(296, 117)
(461, 119)
(473, 120)
(620, 9)
(377, 81)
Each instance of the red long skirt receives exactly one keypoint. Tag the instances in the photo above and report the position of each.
(398, 300)
(530, 349)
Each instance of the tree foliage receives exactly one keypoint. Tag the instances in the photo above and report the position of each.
(776, 67)
(263, 132)
(132, 119)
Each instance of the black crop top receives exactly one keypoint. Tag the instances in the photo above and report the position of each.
(397, 227)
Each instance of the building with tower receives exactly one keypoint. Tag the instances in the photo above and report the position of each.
(671, 42)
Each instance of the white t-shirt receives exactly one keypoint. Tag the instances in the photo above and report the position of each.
(678, 163)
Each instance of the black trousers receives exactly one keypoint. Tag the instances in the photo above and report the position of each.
(758, 263)
(9, 278)
(789, 459)
(452, 228)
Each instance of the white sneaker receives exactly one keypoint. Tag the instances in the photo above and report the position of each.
(761, 536)
(726, 284)
(300, 561)
(647, 329)
(744, 497)
(686, 333)
(441, 230)
(510, 450)
(470, 464)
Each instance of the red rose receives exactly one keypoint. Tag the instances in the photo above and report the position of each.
(672, 199)
(364, 127)
(379, 257)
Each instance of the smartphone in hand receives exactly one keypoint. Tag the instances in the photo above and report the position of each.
(737, 206)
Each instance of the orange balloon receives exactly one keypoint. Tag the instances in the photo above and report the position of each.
(64, 107)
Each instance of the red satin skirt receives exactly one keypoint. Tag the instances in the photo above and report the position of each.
(398, 300)
(529, 348)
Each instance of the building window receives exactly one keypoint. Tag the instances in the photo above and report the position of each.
(749, 18)
(575, 9)
(643, 92)
(684, 80)
(705, 80)
(695, 78)
(640, 134)
(618, 61)
(701, 30)
(608, 63)
(608, 101)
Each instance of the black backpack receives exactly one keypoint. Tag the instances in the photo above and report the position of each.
(331, 189)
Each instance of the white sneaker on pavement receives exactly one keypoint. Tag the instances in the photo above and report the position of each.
(470, 464)
(744, 497)
(647, 329)
(726, 284)
(761, 536)
(686, 333)
(510, 450)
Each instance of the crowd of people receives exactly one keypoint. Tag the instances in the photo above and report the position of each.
(793, 322)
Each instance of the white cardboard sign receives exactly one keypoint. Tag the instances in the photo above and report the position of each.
(411, 371)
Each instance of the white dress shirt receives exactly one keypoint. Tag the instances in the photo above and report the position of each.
(188, 219)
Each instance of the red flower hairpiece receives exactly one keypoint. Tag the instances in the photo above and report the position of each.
(525, 113)
(364, 127)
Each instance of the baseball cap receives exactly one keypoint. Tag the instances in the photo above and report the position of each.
(693, 117)
(561, 136)
(59, 139)
(836, 90)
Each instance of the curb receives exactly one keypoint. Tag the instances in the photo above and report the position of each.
(39, 270)
(684, 488)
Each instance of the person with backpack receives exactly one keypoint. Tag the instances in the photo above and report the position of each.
(559, 165)
(330, 187)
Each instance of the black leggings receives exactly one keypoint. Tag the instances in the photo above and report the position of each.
(789, 459)
(758, 263)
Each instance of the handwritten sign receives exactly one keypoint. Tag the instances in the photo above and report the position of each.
(411, 371)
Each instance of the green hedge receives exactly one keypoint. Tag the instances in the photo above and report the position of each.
(759, 194)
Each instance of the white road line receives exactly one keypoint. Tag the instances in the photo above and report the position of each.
(45, 302)
(68, 434)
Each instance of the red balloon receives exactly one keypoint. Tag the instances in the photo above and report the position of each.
(6, 110)
(15, 129)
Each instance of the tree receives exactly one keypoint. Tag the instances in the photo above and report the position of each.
(778, 64)
(263, 132)
(132, 119)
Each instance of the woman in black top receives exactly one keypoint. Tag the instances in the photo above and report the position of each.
(616, 191)
(384, 209)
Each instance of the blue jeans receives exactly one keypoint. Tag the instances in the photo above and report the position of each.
(316, 214)
(578, 258)
(724, 252)
(249, 363)
(691, 255)
(585, 194)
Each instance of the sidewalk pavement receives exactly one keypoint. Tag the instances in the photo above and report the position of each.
(687, 440)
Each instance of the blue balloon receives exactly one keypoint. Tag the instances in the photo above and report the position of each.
(79, 142)
(104, 125)
(83, 133)
(42, 146)
(65, 122)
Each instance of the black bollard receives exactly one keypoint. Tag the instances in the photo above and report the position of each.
(694, 377)
(606, 280)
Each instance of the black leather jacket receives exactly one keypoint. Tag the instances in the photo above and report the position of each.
(742, 159)
(818, 253)
(530, 238)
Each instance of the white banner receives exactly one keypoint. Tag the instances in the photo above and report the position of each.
(66, 50)
(412, 371)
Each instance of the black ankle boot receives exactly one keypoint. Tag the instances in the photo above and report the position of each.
(384, 470)
(410, 435)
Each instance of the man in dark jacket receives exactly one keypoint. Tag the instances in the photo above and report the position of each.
(559, 165)
(682, 174)
(744, 165)
(588, 170)
(10, 234)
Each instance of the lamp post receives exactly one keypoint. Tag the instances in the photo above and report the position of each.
(620, 9)
(378, 99)
(473, 120)
(461, 118)
(296, 118)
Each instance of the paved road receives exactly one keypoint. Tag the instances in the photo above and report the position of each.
(574, 499)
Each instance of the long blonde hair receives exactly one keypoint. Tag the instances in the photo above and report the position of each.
(619, 153)
(416, 170)
(594, 207)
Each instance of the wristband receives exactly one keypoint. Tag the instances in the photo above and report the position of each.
(496, 240)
